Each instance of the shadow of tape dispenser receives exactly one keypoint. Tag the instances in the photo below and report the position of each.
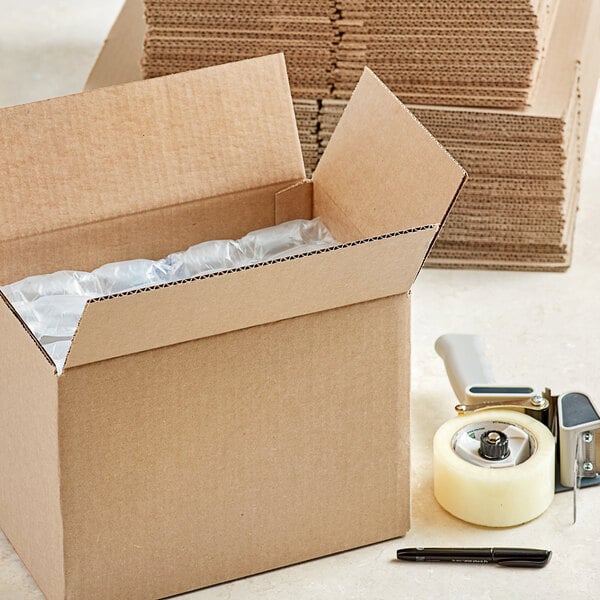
(500, 462)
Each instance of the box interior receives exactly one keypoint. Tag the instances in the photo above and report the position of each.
(198, 157)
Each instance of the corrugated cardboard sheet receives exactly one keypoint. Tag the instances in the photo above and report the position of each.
(474, 53)
(513, 61)
(518, 209)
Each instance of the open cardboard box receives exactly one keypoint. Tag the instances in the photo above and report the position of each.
(239, 421)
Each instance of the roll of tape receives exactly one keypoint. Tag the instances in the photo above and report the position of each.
(494, 493)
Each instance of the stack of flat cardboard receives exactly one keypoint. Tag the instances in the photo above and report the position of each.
(432, 51)
(473, 53)
(189, 34)
(507, 86)
(518, 209)
(307, 119)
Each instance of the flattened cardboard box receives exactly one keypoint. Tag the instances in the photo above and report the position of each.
(518, 210)
(519, 160)
(232, 423)
(481, 54)
(440, 53)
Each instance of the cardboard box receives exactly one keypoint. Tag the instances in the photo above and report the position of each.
(239, 421)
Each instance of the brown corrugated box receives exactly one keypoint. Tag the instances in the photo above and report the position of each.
(239, 421)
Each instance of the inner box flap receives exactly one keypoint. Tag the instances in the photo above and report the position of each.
(343, 275)
(382, 170)
(146, 145)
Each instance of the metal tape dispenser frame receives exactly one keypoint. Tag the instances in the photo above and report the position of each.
(573, 418)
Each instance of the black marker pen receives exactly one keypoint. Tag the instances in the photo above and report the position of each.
(507, 557)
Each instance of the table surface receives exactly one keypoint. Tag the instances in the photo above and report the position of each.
(541, 328)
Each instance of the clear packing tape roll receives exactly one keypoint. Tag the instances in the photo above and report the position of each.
(494, 493)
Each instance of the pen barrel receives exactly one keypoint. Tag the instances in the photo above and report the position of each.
(463, 555)
(510, 557)
(480, 555)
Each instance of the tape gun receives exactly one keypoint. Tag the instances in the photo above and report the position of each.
(500, 462)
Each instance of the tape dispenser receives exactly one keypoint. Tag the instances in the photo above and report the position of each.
(500, 462)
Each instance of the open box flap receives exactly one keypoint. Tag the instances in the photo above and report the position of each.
(245, 297)
(163, 142)
(119, 61)
(382, 171)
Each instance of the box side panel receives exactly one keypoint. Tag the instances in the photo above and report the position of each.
(290, 438)
(146, 145)
(119, 60)
(152, 234)
(239, 299)
(29, 470)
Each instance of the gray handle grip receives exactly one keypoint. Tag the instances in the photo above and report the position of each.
(577, 415)
(465, 360)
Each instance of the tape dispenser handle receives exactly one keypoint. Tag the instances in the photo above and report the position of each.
(465, 360)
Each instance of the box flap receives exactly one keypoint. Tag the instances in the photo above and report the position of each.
(294, 202)
(146, 145)
(382, 171)
(119, 61)
(214, 304)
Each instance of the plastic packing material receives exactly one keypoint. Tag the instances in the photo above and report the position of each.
(52, 305)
